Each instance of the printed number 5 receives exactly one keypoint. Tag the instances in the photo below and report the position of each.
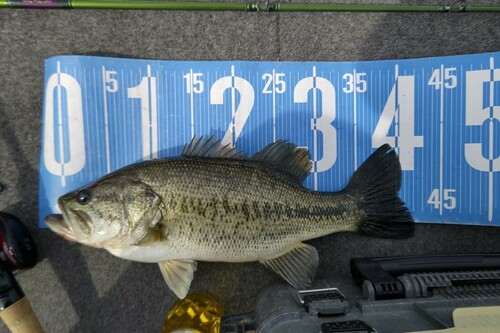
(476, 115)
(111, 82)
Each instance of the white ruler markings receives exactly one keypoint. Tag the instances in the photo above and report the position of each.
(491, 137)
(446, 136)
(60, 124)
(106, 123)
(441, 138)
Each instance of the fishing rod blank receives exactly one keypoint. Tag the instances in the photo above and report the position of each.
(241, 6)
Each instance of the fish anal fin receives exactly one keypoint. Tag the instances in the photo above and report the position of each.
(178, 275)
(287, 159)
(297, 266)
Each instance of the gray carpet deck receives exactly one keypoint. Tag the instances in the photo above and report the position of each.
(79, 289)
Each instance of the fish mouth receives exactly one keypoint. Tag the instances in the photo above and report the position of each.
(62, 224)
(81, 219)
(58, 224)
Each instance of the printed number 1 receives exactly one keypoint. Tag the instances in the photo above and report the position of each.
(146, 92)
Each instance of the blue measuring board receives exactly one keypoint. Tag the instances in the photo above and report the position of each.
(442, 115)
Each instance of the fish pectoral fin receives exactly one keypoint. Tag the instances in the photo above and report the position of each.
(297, 266)
(178, 275)
(153, 235)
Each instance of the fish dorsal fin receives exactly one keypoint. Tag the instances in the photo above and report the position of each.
(211, 147)
(297, 266)
(287, 159)
(178, 275)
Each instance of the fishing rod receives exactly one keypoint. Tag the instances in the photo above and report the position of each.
(241, 6)
(18, 252)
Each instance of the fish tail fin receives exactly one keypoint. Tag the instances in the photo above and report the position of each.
(375, 185)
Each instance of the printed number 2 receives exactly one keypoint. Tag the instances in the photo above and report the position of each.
(240, 114)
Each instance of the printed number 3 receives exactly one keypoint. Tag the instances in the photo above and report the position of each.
(323, 123)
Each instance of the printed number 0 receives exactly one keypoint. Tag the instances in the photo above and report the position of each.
(62, 165)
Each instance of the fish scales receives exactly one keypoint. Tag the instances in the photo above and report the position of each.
(215, 204)
(210, 210)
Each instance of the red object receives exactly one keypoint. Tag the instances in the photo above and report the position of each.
(18, 249)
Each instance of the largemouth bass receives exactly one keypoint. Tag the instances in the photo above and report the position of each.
(214, 204)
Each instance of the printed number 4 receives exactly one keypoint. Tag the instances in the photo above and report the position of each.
(400, 111)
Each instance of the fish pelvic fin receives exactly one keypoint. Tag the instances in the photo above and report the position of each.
(375, 186)
(287, 159)
(297, 266)
(178, 275)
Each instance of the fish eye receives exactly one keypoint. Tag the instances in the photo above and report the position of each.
(84, 197)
